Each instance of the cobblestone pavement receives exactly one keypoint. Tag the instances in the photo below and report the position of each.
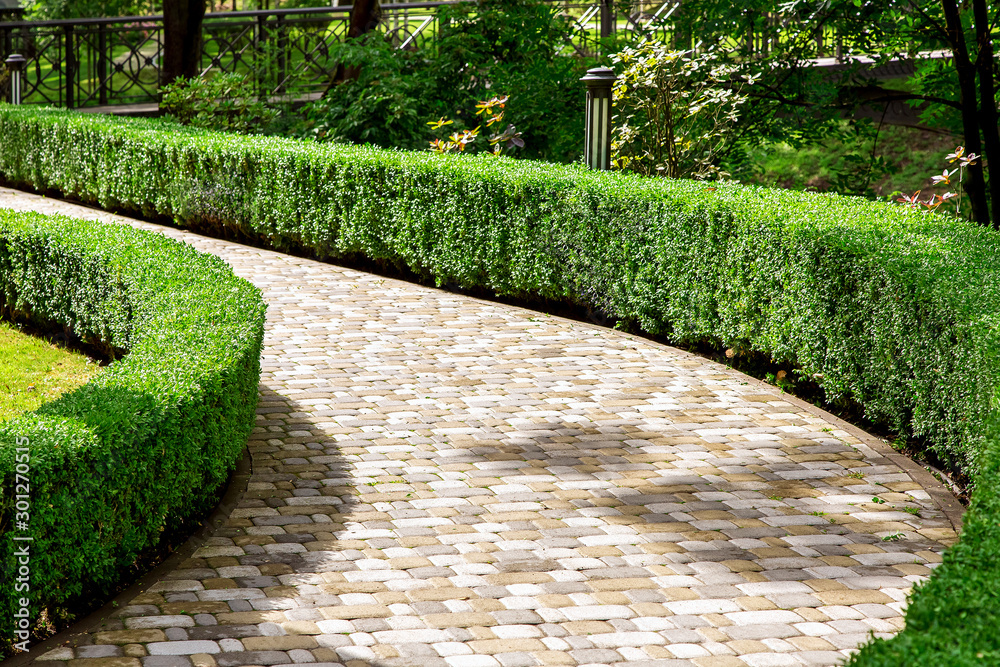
(444, 482)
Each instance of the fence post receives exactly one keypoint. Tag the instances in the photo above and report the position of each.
(102, 64)
(15, 65)
(70, 68)
(597, 146)
(607, 19)
(260, 63)
(282, 29)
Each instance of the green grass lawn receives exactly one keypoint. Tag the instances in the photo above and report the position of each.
(33, 371)
(918, 155)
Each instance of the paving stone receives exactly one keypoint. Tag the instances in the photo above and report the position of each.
(516, 659)
(252, 658)
(770, 659)
(283, 643)
(819, 658)
(98, 651)
(176, 621)
(442, 481)
(760, 631)
(61, 653)
(619, 639)
(166, 661)
(516, 616)
(761, 617)
(105, 662)
(129, 637)
(595, 656)
(182, 647)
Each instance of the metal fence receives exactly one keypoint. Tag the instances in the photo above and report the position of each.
(78, 63)
(114, 61)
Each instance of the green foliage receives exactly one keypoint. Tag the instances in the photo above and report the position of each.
(910, 156)
(792, 100)
(938, 79)
(805, 102)
(858, 172)
(44, 10)
(897, 309)
(226, 101)
(520, 48)
(509, 46)
(949, 177)
(146, 444)
(387, 105)
(676, 112)
(492, 112)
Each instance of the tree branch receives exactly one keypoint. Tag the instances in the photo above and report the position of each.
(941, 30)
(892, 96)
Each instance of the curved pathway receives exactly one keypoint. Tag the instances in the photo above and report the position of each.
(444, 482)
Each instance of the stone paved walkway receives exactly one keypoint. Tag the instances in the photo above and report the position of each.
(444, 482)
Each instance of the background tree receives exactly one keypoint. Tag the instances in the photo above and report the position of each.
(976, 70)
(365, 18)
(778, 41)
(520, 48)
(182, 21)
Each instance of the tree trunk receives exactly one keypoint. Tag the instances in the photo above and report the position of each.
(181, 39)
(976, 183)
(987, 105)
(365, 17)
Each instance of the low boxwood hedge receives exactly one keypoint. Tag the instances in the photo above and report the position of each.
(147, 444)
(888, 307)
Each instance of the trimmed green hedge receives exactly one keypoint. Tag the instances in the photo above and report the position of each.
(148, 442)
(897, 310)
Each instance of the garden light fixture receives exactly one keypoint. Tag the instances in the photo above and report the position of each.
(597, 147)
(15, 65)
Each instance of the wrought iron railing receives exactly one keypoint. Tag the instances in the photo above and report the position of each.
(286, 52)
(114, 61)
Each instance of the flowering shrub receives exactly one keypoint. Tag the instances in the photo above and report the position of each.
(493, 109)
(934, 201)
(676, 112)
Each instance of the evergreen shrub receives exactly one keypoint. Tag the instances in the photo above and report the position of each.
(148, 443)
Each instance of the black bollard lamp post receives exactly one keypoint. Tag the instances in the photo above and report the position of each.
(597, 150)
(15, 64)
